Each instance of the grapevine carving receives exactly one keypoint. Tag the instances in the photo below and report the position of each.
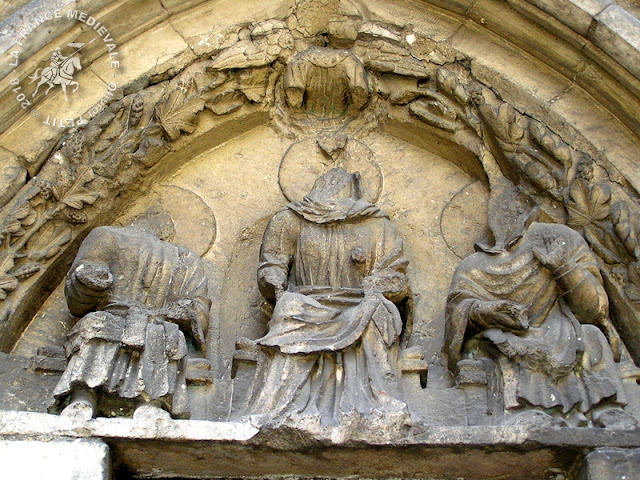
(109, 153)
(561, 180)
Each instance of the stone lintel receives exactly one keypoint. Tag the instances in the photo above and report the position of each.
(159, 447)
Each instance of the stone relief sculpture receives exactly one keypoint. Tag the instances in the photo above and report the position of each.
(334, 265)
(136, 296)
(535, 306)
(326, 81)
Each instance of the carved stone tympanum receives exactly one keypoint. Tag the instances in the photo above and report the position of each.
(334, 265)
(136, 296)
(348, 148)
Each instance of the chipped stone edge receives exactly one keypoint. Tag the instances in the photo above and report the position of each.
(34, 425)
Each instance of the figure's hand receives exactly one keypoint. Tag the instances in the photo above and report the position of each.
(95, 277)
(389, 283)
(551, 252)
(505, 342)
(503, 314)
(178, 312)
(276, 280)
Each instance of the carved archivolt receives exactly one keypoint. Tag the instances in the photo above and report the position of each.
(326, 95)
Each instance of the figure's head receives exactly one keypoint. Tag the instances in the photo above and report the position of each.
(509, 214)
(156, 222)
(337, 184)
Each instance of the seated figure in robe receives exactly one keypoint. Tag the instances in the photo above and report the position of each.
(136, 296)
(334, 265)
(538, 309)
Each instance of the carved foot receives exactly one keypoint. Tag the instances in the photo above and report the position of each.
(147, 412)
(78, 410)
(533, 418)
(578, 419)
(614, 418)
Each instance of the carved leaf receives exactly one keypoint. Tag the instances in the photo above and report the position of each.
(634, 273)
(588, 203)
(177, 114)
(6, 261)
(135, 110)
(12, 226)
(84, 175)
(603, 244)
(507, 117)
(78, 200)
(627, 227)
(226, 102)
(435, 113)
(75, 197)
(507, 125)
(21, 212)
(30, 219)
(551, 143)
(49, 241)
(540, 176)
(114, 129)
(632, 290)
(27, 270)
(7, 284)
(253, 83)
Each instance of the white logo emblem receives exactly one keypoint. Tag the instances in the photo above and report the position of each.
(64, 65)
(61, 70)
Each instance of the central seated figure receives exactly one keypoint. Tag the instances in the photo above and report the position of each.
(334, 265)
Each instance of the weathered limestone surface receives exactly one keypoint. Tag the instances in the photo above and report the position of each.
(329, 168)
(239, 449)
(611, 463)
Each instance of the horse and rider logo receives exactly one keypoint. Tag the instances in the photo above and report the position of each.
(61, 70)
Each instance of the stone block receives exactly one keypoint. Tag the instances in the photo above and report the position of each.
(431, 23)
(22, 388)
(49, 359)
(175, 6)
(457, 6)
(46, 364)
(471, 373)
(434, 406)
(151, 53)
(526, 34)
(521, 80)
(55, 460)
(577, 109)
(618, 34)
(244, 373)
(599, 80)
(576, 14)
(611, 464)
(43, 135)
(204, 35)
(210, 401)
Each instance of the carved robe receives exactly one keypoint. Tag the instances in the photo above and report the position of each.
(332, 345)
(327, 80)
(124, 346)
(562, 360)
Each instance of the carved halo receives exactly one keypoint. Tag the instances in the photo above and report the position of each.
(308, 159)
(195, 230)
